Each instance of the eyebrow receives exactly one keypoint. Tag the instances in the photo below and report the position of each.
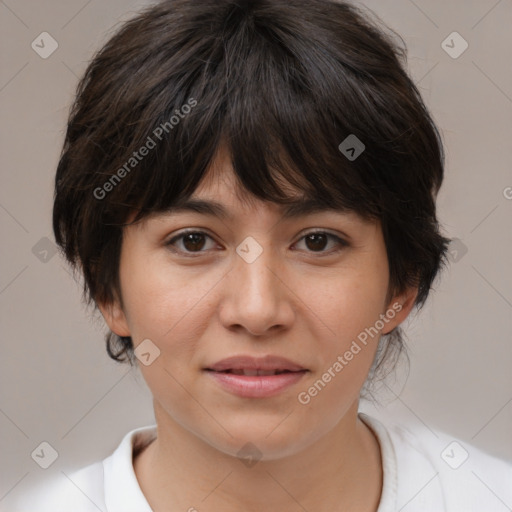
(298, 208)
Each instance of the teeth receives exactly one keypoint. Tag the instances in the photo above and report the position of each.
(256, 373)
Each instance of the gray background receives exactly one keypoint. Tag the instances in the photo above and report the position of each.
(57, 383)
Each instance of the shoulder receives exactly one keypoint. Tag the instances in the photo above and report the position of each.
(81, 490)
(434, 468)
(109, 484)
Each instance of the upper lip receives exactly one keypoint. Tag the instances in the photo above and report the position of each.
(255, 363)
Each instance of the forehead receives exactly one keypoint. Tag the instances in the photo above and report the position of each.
(223, 198)
(221, 194)
(220, 180)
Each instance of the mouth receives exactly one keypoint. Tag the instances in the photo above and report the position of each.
(251, 377)
(244, 365)
(254, 373)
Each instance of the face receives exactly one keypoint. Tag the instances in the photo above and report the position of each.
(266, 325)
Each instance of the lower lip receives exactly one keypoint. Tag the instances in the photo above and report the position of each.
(261, 386)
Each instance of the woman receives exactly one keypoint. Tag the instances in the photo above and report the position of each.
(248, 188)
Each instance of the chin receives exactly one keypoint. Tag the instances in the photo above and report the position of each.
(263, 440)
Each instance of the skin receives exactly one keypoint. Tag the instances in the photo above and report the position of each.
(297, 300)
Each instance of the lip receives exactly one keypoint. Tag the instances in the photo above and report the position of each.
(266, 363)
(255, 386)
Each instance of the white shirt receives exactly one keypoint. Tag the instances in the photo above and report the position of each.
(422, 472)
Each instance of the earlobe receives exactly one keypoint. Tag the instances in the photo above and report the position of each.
(115, 318)
(399, 308)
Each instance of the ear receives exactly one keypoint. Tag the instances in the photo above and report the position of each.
(398, 309)
(115, 317)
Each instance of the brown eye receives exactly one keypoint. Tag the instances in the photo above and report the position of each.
(318, 241)
(196, 242)
(191, 242)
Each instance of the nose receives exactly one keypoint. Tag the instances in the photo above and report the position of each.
(256, 297)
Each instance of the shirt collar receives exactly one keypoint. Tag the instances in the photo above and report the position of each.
(122, 490)
(388, 495)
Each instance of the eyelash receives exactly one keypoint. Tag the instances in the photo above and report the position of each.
(191, 254)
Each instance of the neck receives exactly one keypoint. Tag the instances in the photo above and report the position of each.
(340, 471)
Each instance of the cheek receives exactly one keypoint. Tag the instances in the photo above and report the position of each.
(347, 305)
(158, 298)
(350, 308)
(169, 308)
(348, 301)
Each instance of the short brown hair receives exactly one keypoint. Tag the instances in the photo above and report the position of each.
(282, 83)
